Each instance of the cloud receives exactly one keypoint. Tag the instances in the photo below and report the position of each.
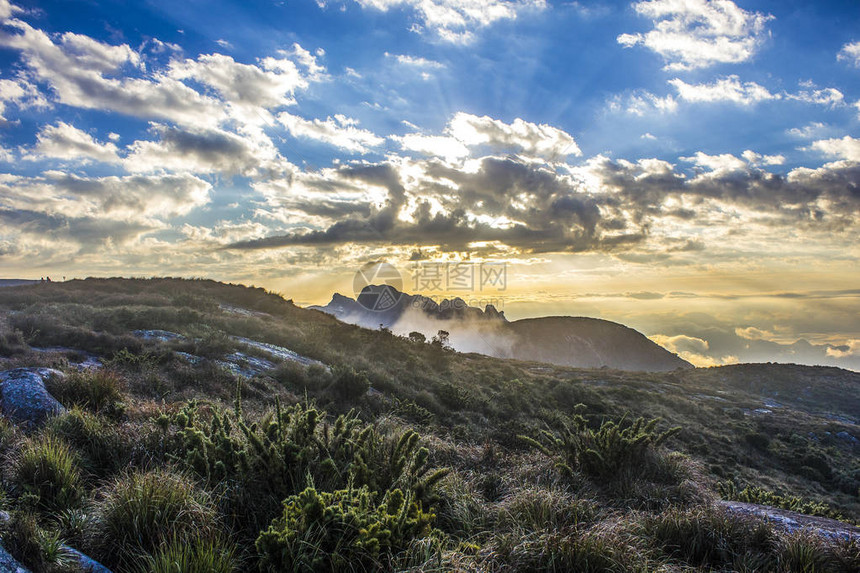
(129, 198)
(850, 349)
(466, 132)
(22, 94)
(195, 151)
(76, 69)
(699, 33)
(340, 131)
(830, 97)
(65, 141)
(850, 53)
(845, 148)
(753, 333)
(810, 131)
(457, 20)
(643, 102)
(446, 147)
(692, 349)
(727, 89)
(416, 61)
(269, 85)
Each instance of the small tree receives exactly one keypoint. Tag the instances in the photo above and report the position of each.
(417, 337)
(441, 339)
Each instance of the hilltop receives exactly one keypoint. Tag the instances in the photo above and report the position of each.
(561, 340)
(225, 427)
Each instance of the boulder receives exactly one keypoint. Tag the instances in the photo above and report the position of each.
(25, 399)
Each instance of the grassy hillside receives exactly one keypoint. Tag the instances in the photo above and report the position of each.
(398, 454)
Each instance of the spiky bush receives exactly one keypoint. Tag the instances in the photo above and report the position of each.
(761, 496)
(608, 451)
(140, 510)
(343, 530)
(47, 470)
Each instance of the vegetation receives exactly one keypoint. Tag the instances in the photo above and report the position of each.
(394, 454)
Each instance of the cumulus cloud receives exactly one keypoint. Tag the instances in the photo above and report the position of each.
(830, 97)
(846, 148)
(340, 131)
(643, 102)
(65, 141)
(22, 94)
(457, 20)
(195, 151)
(76, 68)
(128, 198)
(727, 89)
(415, 61)
(271, 84)
(692, 349)
(850, 53)
(466, 132)
(699, 33)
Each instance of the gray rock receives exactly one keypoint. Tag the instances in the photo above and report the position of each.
(8, 563)
(25, 398)
(847, 437)
(279, 352)
(240, 364)
(87, 564)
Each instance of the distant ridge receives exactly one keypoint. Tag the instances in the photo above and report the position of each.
(16, 282)
(562, 340)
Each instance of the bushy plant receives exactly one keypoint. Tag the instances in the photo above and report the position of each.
(761, 496)
(141, 510)
(47, 469)
(102, 446)
(608, 451)
(197, 556)
(343, 530)
(711, 536)
(350, 384)
(97, 390)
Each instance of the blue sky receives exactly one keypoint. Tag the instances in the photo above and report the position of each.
(613, 154)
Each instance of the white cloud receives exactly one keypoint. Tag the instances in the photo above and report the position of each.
(129, 198)
(648, 136)
(850, 53)
(269, 85)
(193, 150)
(754, 158)
(21, 93)
(693, 34)
(753, 333)
(415, 61)
(64, 141)
(75, 69)
(718, 164)
(446, 147)
(642, 102)
(530, 139)
(810, 131)
(457, 20)
(827, 96)
(727, 89)
(224, 44)
(340, 131)
(846, 148)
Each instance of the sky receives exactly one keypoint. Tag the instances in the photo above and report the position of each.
(689, 168)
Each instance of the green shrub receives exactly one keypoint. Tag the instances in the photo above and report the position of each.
(103, 448)
(141, 510)
(37, 548)
(536, 509)
(350, 384)
(608, 452)
(47, 469)
(198, 556)
(761, 496)
(345, 529)
(97, 390)
(711, 536)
